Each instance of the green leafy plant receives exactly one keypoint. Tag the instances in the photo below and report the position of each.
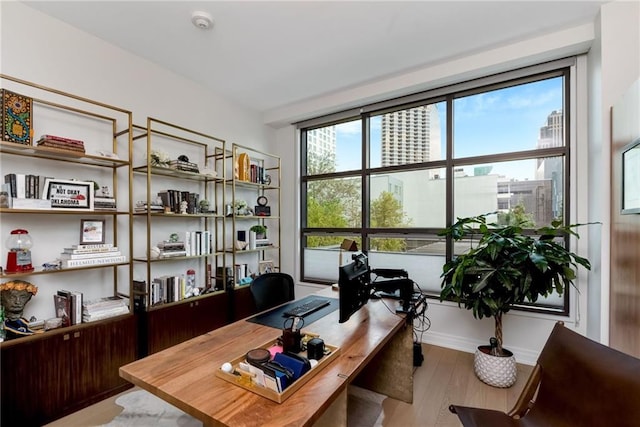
(259, 229)
(507, 267)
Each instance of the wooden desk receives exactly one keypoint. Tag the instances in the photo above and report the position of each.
(374, 343)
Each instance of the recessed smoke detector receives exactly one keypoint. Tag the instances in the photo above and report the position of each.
(202, 20)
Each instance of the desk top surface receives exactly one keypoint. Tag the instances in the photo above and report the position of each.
(184, 375)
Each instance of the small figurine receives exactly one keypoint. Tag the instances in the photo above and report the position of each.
(183, 207)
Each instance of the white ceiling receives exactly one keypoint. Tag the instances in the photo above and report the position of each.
(266, 54)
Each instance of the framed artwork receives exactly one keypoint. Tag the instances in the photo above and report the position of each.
(69, 194)
(265, 267)
(631, 178)
(91, 231)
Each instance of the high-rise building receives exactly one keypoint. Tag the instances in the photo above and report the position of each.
(552, 168)
(411, 136)
(321, 147)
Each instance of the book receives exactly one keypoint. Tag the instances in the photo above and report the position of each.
(63, 308)
(75, 309)
(90, 250)
(61, 139)
(68, 263)
(91, 255)
(93, 246)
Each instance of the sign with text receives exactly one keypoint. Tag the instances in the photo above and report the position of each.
(69, 194)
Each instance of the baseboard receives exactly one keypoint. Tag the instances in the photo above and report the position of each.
(524, 356)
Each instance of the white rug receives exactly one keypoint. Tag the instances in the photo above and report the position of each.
(143, 409)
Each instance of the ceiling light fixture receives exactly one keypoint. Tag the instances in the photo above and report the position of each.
(202, 20)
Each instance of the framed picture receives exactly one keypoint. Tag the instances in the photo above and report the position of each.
(69, 194)
(91, 231)
(265, 267)
(631, 178)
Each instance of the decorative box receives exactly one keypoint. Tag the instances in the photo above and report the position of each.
(17, 124)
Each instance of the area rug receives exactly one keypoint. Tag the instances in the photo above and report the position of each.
(364, 407)
(143, 409)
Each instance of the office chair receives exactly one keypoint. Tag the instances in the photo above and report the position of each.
(272, 289)
(576, 382)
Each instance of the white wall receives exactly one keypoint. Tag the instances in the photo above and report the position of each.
(525, 333)
(46, 51)
(614, 64)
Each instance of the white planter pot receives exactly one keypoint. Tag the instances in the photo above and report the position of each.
(497, 371)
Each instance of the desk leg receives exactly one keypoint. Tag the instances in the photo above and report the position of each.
(391, 370)
(336, 414)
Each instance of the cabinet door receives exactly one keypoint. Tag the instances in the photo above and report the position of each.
(98, 353)
(168, 326)
(243, 304)
(35, 380)
(209, 314)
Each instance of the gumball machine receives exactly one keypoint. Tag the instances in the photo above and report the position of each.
(19, 244)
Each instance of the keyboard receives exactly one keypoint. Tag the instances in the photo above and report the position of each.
(307, 308)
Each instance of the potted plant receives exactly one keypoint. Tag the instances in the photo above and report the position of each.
(507, 267)
(260, 230)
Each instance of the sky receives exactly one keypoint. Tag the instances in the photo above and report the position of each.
(504, 120)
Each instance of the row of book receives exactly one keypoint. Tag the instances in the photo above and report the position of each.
(61, 143)
(25, 186)
(168, 288)
(68, 306)
(86, 255)
(103, 308)
(258, 174)
(173, 198)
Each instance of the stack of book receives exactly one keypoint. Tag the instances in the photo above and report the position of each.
(104, 308)
(171, 249)
(86, 255)
(104, 204)
(61, 143)
(181, 165)
(141, 207)
(68, 305)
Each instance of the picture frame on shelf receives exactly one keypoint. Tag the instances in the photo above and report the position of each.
(265, 267)
(92, 231)
(631, 178)
(66, 194)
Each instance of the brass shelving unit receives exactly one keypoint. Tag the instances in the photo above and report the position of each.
(82, 113)
(253, 188)
(169, 137)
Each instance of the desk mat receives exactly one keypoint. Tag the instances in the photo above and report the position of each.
(275, 319)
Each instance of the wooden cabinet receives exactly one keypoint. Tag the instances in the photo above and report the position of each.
(51, 375)
(174, 324)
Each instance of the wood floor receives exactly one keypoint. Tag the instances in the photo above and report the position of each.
(445, 377)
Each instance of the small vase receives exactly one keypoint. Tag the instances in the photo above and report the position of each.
(497, 371)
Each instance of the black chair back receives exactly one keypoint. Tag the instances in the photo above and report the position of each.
(272, 289)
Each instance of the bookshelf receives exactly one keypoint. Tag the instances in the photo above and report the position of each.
(254, 190)
(87, 149)
(175, 169)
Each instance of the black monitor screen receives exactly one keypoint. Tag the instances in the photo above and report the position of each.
(354, 285)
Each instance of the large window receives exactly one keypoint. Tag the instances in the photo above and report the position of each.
(390, 176)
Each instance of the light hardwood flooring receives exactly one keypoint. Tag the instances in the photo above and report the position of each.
(445, 377)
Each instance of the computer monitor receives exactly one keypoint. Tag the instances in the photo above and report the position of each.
(354, 285)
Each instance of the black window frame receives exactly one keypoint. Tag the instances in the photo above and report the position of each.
(561, 68)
